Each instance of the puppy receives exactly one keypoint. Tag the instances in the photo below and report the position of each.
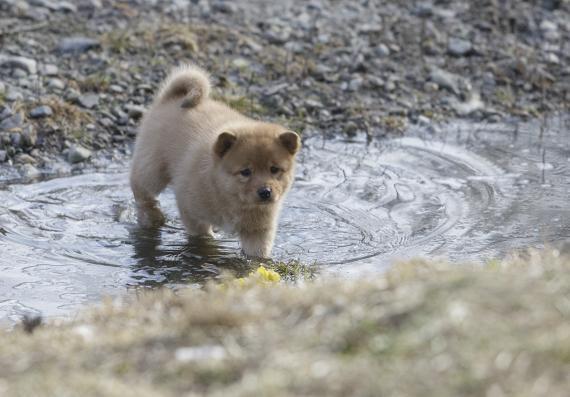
(227, 170)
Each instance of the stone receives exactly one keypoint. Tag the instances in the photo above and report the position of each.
(12, 122)
(5, 112)
(355, 84)
(14, 95)
(29, 136)
(226, 7)
(382, 50)
(49, 70)
(2, 88)
(28, 65)
(240, 63)
(135, 111)
(29, 171)
(77, 44)
(24, 158)
(56, 84)
(78, 154)
(459, 47)
(445, 79)
(3, 156)
(88, 101)
(41, 112)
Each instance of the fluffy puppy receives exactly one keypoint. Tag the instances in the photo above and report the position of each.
(227, 170)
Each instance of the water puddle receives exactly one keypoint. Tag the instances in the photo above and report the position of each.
(468, 192)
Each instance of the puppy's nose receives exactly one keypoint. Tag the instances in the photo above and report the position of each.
(264, 193)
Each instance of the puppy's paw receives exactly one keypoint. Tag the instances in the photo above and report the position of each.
(150, 217)
(257, 245)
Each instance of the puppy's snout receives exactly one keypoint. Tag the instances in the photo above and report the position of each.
(264, 193)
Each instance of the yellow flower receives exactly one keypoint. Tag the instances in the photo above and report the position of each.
(263, 274)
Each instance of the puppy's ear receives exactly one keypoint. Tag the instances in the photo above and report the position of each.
(291, 141)
(224, 143)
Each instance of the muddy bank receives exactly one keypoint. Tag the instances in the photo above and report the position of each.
(76, 76)
(422, 328)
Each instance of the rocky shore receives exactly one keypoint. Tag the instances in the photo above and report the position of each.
(75, 77)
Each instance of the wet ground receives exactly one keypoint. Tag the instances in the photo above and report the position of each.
(464, 191)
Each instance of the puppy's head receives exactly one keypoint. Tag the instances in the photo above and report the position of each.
(256, 162)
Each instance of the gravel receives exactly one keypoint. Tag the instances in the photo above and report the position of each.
(100, 65)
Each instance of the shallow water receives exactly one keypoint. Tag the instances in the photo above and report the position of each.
(467, 192)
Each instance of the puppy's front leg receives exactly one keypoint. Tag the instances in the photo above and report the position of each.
(257, 244)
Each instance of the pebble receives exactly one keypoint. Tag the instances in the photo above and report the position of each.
(445, 79)
(459, 47)
(355, 84)
(29, 171)
(50, 70)
(226, 7)
(28, 65)
(382, 50)
(14, 95)
(24, 158)
(29, 136)
(40, 112)
(56, 84)
(77, 154)
(77, 44)
(5, 112)
(88, 101)
(135, 111)
(12, 122)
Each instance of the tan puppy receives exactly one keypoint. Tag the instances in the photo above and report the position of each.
(227, 170)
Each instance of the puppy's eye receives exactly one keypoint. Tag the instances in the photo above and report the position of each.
(274, 170)
(245, 172)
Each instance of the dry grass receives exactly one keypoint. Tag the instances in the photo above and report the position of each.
(423, 329)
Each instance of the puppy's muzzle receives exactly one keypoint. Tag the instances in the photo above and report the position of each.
(264, 193)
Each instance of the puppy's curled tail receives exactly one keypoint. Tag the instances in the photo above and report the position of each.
(187, 82)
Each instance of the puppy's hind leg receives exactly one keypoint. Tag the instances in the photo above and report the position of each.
(146, 185)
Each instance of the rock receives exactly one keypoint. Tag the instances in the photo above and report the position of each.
(5, 112)
(29, 171)
(430, 87)
(116, 89)
(459, 47)
(375, 81)
(41, 112)
(54, 5)
(3, 156)
(552, 58)
(240, 63)
(29, 136)
(77, 44)
(56, 84)
(88, 101)
(13, 122)
(28, 65)
(14, 95)
(24, 158)
(135, 111)
(49, 70)
(77, 154)
(445, 79)
(226, 7)
(2, 88)
(16, 139)
(382, 50)
(547, 25)
(473, 104)
(355, 84)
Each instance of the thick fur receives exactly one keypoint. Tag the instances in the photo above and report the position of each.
(201, 146)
